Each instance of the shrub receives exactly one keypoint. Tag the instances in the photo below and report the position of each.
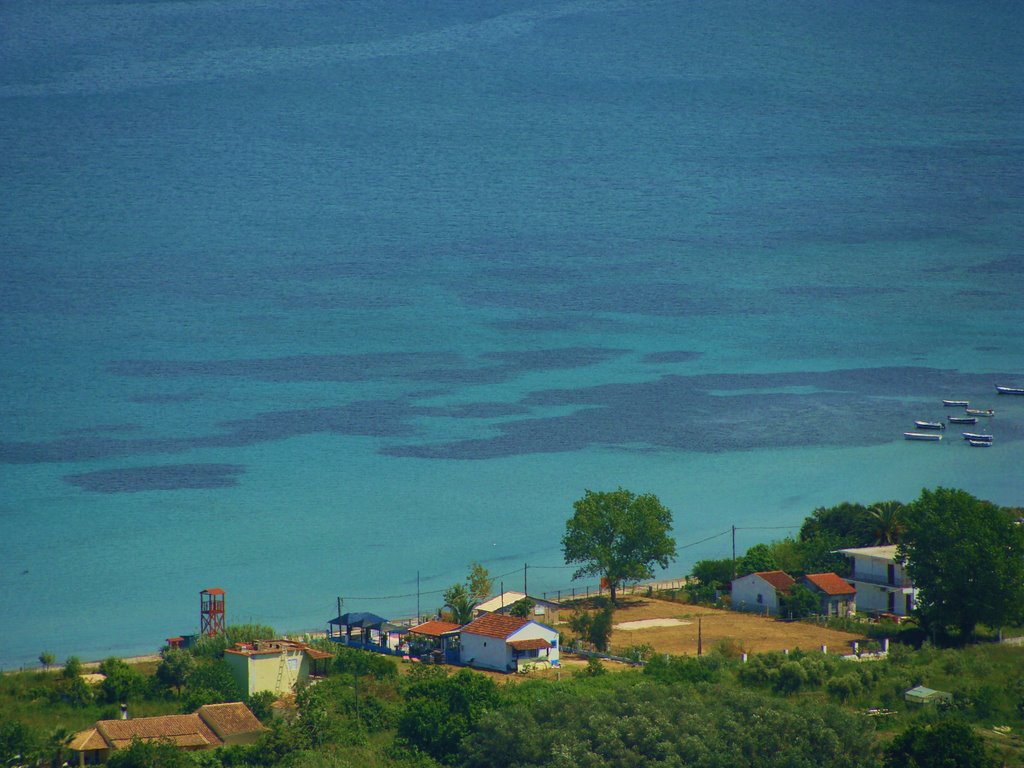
(791, 678)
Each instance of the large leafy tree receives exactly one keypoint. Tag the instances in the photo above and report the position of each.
(759, 557)
(618, 535)
(948, 743)
(479, 583)
(844, 522)
(175, 667)
(966, 556)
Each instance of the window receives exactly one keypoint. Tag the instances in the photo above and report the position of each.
(760, 598)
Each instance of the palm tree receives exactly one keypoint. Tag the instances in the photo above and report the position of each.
(57, 743)
(884, 523)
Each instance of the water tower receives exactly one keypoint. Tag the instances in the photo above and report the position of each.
(211, 612)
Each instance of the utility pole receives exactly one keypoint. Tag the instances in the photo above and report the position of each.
(734, 551)
(525, 590)
(418, 596)
(700, 638)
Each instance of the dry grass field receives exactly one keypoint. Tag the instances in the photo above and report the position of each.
(750, 633)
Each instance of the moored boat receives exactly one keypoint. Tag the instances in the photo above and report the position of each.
(976, 436)
(963, 419)
(980, 412)
(1009, 390)
(980, 443)
(930, 425)
(956, 403)
(921, 436)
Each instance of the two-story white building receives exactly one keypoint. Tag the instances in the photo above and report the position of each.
(881, 580)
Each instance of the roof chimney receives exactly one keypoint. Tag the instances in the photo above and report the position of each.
(124, 711)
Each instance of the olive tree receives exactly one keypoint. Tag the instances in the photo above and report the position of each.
(619, 536)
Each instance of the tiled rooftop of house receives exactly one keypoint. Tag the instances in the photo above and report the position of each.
(434, 628)
(495, 625)
(778, 579)
(831, 584)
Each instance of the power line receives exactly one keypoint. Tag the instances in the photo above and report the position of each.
(709, 538)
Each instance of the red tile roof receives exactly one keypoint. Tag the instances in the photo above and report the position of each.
(529, 645)
(435, 628)
(182, 730)
(210, 727)
(781, 580)
(831, 584)
(495, 625)
(231, 719)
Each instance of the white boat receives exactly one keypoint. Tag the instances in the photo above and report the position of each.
(980, 412)
(976, 436)
(956, 403)
(930, 425)
(1009, 390)
(980, 443)
(921, 436)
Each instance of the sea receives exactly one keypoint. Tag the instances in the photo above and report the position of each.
(319, 302)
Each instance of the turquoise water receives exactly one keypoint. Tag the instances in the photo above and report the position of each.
(304, 299)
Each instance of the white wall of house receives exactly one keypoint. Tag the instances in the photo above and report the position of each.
(752, 593)
(495, 653)
(875, 598)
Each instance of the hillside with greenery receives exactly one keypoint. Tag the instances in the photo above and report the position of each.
(772, 710)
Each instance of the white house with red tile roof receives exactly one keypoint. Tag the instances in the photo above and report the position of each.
(837, 596)
(759, 592)
(508, 643)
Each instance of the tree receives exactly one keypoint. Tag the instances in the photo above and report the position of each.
(72, 668)
(758, 558)
(883, 523)
(966, 556)
(19, 744)
(595, 628)
(459, 601)
(210, 682)
(944, 744)
(175, 667)
(844, 521)
(522, 608)
(46, 659)
(799, 601)
(56, 745)
(618, 535)
(712, 574)
(479, 583)
(121, 683)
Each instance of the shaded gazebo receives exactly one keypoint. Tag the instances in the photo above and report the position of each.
(366, 630)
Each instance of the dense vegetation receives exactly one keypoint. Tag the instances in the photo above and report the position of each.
(800, 709)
